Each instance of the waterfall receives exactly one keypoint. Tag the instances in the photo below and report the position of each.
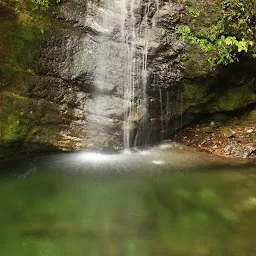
(128, 32)
(121, 74)
(136, 35)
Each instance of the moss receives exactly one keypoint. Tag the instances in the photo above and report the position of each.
(220, 118)
(32, 19)
(194, 96)
(25, 43)
(233, 99)
(19, 128)
(196, 65)
(13, 125)
(210, 95)
(13, 129)
(251, 116)
(247, 119)
(42, 137)
(204, 98)
(27, 34)
(8, 76)
(22, 28)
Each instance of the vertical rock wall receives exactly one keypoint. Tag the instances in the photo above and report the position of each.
(84, 49)
(61, 86)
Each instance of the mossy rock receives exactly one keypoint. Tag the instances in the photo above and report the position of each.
(19, 127)
(233, 99)
(25, 44)
(197, 64)
(227, 132)
(22, 26)
(247, 119)
(206, 96)
(195, 95)
(251, 116)
(14, 126)
(207, 129)
(220, 117)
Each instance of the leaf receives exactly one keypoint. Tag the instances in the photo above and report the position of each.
(242, 46)
(230, 40)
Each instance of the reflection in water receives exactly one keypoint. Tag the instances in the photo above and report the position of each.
(83, 204)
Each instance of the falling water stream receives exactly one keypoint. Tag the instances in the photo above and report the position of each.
(136, 36)
(122, 66)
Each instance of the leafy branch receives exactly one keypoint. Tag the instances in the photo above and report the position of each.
(228, 37)
(44, 4)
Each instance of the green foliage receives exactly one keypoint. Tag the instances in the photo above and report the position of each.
(44, 4)
(229, 37)
(13, 126)
(181, 58)
(194, 12)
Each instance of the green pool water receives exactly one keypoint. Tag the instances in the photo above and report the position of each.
(140, 204)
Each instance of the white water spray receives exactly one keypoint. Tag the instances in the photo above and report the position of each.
(136, 35)
(121, 73)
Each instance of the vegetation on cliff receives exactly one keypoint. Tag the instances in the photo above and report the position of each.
(230, 35)
(44, 4)
(22, 27)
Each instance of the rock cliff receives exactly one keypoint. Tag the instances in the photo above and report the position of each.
(62, 88)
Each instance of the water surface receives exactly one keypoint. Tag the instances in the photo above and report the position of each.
(162, 201)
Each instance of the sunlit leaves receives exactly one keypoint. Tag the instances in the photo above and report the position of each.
(230, 36)
(195, 12)
(44, 4)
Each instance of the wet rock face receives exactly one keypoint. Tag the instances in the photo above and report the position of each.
(73, 95)
(186, 90)
(83, 50)
(166, 71)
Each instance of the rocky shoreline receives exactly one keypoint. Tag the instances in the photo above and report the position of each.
(234, 138)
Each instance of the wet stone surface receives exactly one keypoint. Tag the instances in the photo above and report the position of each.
(236, 139)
